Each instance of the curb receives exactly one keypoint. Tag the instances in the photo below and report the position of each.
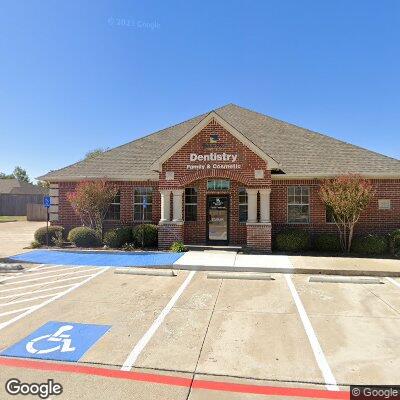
(278, 270)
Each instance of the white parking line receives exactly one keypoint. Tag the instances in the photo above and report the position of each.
(330, 381)
(45, 296)
(37, 291)
(46, 277)
(15, 311)
(32, 309)
(131, 359)
(391, 280)
(45, 283)
(38, 273)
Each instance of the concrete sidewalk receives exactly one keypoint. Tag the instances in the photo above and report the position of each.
(234, 262)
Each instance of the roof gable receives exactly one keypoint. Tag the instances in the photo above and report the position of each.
(213, 117)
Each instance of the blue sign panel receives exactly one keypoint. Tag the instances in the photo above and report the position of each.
(63, 341)
(46, 201)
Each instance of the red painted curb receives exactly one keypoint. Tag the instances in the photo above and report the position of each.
(174, 380)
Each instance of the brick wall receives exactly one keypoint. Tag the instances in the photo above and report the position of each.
(372, 220)
(69, 219)
(259, 237)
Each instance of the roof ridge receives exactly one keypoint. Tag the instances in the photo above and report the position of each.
(316, 133)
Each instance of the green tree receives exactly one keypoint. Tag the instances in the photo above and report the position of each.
(91, 201)
(347, 196)
(94, 153)
(21, 174)
(6, 176)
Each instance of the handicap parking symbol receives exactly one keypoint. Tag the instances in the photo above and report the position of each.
(63, 341)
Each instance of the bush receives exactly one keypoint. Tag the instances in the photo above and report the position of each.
(394, 242)
(145, 235)
(35, 245)
(370, 245)
(40, 234)
(178, 247)
(293, 240)
(83, 236)
(116, 238)
(327, 242)
(129, 247)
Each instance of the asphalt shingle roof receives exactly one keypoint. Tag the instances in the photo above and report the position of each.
(14, 186)
(299, 151)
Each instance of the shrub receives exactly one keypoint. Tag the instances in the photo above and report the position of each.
(58, 240)
(328, 242)
(370, 245)
(145, 235)
(394, 242)
(35, 245)
(293, 240)
(83, 236)
(129, 247)
(116, 238)
(40, 234)
(178, 247)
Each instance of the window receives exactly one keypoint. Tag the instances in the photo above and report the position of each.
(242, 205)
(114, 211)
(329, 215)
(143, 204)
(298, 205)
(218, 184)
(190, 204)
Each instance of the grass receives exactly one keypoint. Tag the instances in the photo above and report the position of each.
(12, 218)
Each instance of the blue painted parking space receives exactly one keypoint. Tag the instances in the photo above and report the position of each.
(98, 258)
(62, 341)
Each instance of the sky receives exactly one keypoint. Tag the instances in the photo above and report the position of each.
(80, 75)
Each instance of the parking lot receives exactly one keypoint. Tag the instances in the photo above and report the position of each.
(193, 337)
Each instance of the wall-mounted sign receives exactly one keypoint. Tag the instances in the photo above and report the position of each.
(228, 160)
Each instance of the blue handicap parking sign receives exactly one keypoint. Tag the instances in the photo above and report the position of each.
(47, 201)
(64, 341)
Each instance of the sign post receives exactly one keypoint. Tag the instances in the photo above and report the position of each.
(47, 203)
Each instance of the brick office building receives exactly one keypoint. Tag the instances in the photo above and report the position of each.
(231, 176)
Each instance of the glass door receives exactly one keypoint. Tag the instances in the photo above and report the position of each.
(217, 219)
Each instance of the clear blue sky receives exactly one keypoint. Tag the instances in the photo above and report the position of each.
(77, 75)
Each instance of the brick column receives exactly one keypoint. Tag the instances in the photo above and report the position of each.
(252, 205)
(259, 236)
(170, 231)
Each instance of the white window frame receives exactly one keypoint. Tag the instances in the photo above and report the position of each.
(243, 204)
(298, 204)
(148, 189)
(192, 204)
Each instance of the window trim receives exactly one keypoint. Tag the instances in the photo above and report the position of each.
(151, 189)
(113, 203)
(191, 204)
(219, 189)
(309, 205)
(242, 204)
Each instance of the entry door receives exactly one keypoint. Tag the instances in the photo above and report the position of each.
(217, 219)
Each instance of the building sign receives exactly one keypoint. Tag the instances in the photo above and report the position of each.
(213, 161)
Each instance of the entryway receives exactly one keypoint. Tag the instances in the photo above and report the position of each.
(218, 220)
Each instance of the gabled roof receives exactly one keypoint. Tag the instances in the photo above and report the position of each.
(300, 152)
(213, 116)
(14, 186)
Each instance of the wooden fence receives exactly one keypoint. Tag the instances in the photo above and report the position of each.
(36, 212)
(16, 204)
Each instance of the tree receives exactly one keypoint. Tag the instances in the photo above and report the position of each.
(43, 184)
(94, 153)
(347, 196)
(91, 201)
(21, 174)
(6, 176)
